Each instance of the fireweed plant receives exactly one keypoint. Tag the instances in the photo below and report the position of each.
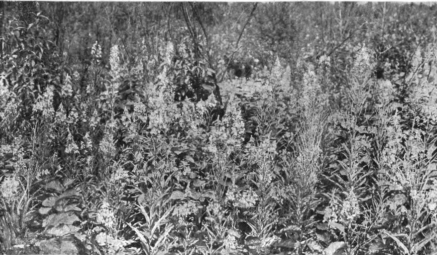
(123, 167)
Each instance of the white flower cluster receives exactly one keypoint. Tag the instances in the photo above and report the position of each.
(114, 61)
(350, 208)
(245, 199)
(3, 85)
(114, 245)
(423, 80)
(386, 92)
(96, 52)
(233, 119)
(44, 103)
(312, 93)
(106, 215)
(169, 52)
(342, 210)
(71, 145)
(67, 89)
(185, 209)
(10, 188)
(363, 65)
(119, 174)
(231, 241)
(107, 145)
(117, 70)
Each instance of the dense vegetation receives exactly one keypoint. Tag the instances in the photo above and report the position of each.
(218, 128)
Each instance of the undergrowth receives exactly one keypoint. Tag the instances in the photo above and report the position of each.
(122, 167)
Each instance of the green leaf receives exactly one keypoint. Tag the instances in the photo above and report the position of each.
(72, 207)
(189, 158)
(397, 200)
(44, 210)
(322, 226)
(322, 237)
(68, 182)
(54, 185)
(62, 230)
(141, 199)
(209, 87)
(313, 245)
(376, 246)
(139, 235)
(338, 226)
(62, 218)
(69, 193)
(177, 195)
(49, 202)
(334, 247)
(419, 246)
(398, 242)
(198, 183)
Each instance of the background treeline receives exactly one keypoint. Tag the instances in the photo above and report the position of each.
(291, 31)
(218, 128)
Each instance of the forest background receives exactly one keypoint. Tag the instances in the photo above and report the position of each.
(218, 128)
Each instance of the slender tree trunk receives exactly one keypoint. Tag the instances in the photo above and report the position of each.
(2, 43)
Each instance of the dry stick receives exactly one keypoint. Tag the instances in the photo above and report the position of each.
(338, 46)
(191, 29)
(3, 38)
(204, 32)
(238, 41)
(187, 21)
